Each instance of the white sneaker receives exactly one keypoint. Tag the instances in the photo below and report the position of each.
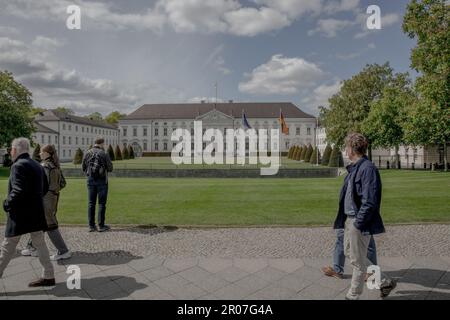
(29, 252)
(64, 256)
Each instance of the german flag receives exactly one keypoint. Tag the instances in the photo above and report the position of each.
(284, 126)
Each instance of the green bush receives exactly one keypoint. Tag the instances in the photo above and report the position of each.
(326, 155)
(303, 154)
(125, 154)
(111, 153)
(299, 153)
(315, 156)
(309, 152)
(78, 159)
(36, 153)
(130, 152)
(118, 154)
(336, 159)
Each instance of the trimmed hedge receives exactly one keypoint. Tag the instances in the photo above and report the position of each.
(118, 154)
(111, 153)
(78, 159)
(309, 152)
(326, 155)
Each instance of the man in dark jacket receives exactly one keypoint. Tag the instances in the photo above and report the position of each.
(96, 165)
(25, 210)
(359, 213)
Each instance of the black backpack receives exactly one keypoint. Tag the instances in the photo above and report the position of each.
(96, 166)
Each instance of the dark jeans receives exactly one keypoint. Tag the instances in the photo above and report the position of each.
(339, 256)
(97, 189)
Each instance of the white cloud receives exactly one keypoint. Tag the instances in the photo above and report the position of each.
(216, 60)
(321, 94)
(330, 27)
(281, 75)
(47, 43)
(184, 16)
(53, 84)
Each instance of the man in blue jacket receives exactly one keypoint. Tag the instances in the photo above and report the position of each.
(359, 213)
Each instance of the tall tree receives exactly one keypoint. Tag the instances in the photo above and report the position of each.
(95, 116)
(114, 117)
(351, 105)
(427, 21)
(387, 118)
(15, 109)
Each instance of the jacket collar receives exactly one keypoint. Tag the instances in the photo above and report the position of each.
(355, 165)
(22, 156)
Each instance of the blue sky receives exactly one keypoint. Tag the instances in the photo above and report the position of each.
(129, 53)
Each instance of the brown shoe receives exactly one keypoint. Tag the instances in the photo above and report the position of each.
(42, 283)
(329, 271)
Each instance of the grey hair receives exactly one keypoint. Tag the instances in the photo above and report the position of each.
(22, 145)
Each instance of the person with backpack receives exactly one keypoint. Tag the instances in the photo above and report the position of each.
(56, 182)
(96, 165)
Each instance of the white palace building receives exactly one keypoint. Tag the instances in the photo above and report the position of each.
(150, 127)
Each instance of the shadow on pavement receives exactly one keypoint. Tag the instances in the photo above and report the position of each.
(150, 229)
(95, 288)
(105, 258)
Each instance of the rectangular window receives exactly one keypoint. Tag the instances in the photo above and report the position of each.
(76, 128)
(64, 126)
(64, 140)
(145, 132)
(145, 146)
(76, 140)
(156, 132)
(70, 127)
(134, 132)
(124, 132)
(297, 131)
(165, 146)
(308, 131)
(42, 139)
(70, 140)
(165, 132)
(156, 146)
(82, 141)
(64, 153)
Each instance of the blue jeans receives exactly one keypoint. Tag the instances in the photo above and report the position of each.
(339, 256)
(97, 189)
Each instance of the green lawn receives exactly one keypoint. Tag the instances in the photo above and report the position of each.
(166, 163)
(408, 197)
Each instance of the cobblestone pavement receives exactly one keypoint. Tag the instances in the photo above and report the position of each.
(236, 264)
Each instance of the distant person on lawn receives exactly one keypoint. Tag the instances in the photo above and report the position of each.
(359, 213)
(24, 207)
(96, 165)
(56, 182)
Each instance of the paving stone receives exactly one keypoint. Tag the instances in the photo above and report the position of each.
(333, 283)
(309, 273)
(194, 274)
(232, 274)
(215, 265)
(133, 283)
(294, 282)
(270, 274)
(104, 289)
(16, 269)
(232, 292)
(274, 292)
(171, 283)
(151, 292)
(250, 265)
(177, 265)
(318, 292)
(286, 265)
(119, 272)
(211, 283)
(252, 283)
(187, 292)
(157, 273)
(147, 263)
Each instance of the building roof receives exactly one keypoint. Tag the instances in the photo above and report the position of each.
(233, 109)
(40, 128)
(53, 115)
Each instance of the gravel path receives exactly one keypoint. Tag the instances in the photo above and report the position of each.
(410, 240)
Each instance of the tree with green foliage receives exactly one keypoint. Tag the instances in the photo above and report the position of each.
(326, 155)
(315, 157)
(130, 152)
(428, 22)
(37, 153)
(78, 159)
(35, 111)
(7, 162)
(65, 110)
(15, 110)
(111, 153)
(114, 117)
(336, 159)
(351, 105)
(388, 116)
(118, 154)
(298, 154)
(125, 154)
(97, 116)
(309, 152)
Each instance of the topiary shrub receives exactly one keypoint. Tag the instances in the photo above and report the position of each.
(299, 153)
(111, 153)
(130, 152)
(335, 156)
(326, 155)
(78, 159)
(315, 157)
(309, 152)
(118, 154)
(303, 154)
(125, 154)
(37, 153)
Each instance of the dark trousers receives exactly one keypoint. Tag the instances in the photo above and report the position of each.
(97, 189)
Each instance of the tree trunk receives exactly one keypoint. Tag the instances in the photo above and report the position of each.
(445, 157)
(397, 158)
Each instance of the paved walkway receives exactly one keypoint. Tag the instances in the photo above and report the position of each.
(236, 264)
